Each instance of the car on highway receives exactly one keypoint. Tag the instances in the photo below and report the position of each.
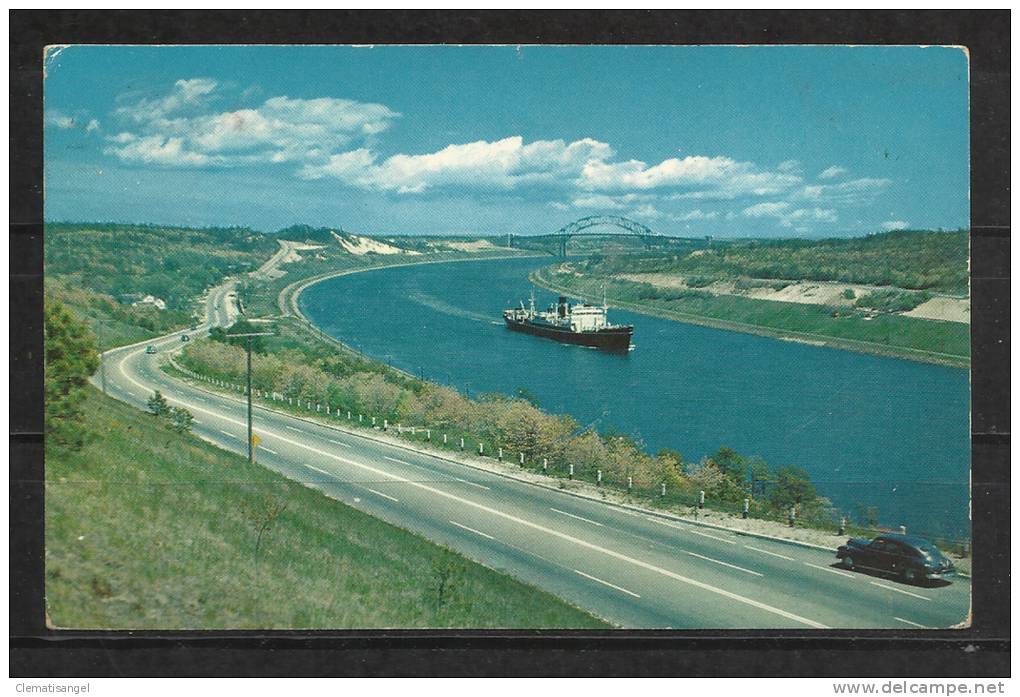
(910, 558)
(185, 337)
(150, 349)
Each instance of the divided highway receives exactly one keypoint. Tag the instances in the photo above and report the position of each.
(633, 569)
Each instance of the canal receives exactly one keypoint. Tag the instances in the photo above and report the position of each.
(871, 430)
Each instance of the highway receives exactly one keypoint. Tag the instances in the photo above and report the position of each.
(634, 569)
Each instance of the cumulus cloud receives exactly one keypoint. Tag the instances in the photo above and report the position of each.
(282, 129)
(503, 164)
(890, 225)
(831, 172)
(696, 214)
(65, 122)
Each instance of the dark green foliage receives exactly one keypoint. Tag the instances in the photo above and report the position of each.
(849, 294)
(157, 404)
(180, 419)
(70, 358)
(792, 487)
(258, 343)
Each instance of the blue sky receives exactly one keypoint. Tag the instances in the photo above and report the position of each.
(724, 141)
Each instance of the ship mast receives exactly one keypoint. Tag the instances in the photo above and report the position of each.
(532, 302)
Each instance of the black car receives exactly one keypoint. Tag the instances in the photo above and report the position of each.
(910, 558)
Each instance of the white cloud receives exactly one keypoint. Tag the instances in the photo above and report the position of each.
(282, 129)
(647, 211)
(770, 209)
(790, 166)
(185, 93)
(158, 150)
(831, 172)
(500, 165)
(855, 191)
(696, 214)
(93, 125)
(890, 225)
(597, 201)
(787, 216)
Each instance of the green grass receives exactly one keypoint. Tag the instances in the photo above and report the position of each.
(888, 334)
(147, 528)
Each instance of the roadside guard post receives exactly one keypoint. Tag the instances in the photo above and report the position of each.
(747, 506)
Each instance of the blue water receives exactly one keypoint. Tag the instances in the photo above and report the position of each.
(885, 432)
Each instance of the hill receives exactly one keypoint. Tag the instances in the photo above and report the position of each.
(909, 259)
(150, 528)
(172, 264)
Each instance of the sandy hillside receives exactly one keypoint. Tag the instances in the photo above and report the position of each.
(813, 293)
(473, 246)
(364, 245)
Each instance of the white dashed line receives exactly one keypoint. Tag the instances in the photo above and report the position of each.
(912, 624)
(765, 551)
(291, 428)
(338, 442)
(688, 529)
(464, 481)
(399, 462)
(385, 496)
(587, 520)
(477, 532)
(830, 570)
(271, 452)
(607, 583)
(231, 435)
(899, 590)
(312, 467)
(723, 563)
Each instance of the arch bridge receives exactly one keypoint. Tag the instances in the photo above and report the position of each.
(624, 227)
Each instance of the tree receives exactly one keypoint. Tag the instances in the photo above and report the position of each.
(792, 487)
(180, 419)
(70, 357)
(157, 404)
(730, 463)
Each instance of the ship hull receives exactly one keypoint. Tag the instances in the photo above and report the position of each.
(612, 339)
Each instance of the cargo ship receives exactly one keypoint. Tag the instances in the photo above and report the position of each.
(581, 324)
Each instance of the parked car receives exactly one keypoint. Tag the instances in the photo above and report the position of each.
(910, 558)
(150, 349)
(185, 337)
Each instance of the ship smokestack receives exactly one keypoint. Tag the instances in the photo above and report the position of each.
(561, 308)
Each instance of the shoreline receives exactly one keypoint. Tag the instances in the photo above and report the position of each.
(807, 338)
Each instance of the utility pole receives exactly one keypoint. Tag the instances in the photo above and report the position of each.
(251, 444)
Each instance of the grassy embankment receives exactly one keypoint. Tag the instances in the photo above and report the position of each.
(920, 263)
(150, 528)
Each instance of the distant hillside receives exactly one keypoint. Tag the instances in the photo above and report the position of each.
(912, 259)
(174, 264)
(307, 233)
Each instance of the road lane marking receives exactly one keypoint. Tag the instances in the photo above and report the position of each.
(899, 590)
(774, 554)
(477, 532)
(227, 433)
(587, 520)
(399, 462)
(130, 393)
(607, 583)
(385, 496)
(271, 452)
(294, 429)
(724, 563)
(912, 624)
(313, 467)
(196, 421)
(688, 529)
(830, 570)
(339, 442)
(765, 607)
(480, 486)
